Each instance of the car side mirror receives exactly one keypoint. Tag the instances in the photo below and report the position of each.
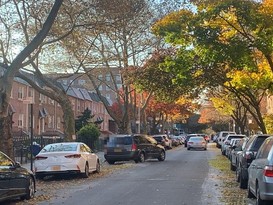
(252, 155)
(15, 166)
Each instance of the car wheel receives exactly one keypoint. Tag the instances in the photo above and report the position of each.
(39, 176)
(237, 174)
(188, 148)
(259, 201)
(243, 182)
(98, 167)
(249, 193)
(86, 171)
(162, 156)
(232, 167)
(110, 162)
(30, 190)
(141, 157)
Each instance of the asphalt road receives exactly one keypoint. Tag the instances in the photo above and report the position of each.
(182, 179)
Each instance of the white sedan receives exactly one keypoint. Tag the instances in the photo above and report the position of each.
(66, 157)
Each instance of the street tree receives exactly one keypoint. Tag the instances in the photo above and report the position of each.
(118, 37)
(19, 60)
(88, 134)
(226, 103)
(219, 42)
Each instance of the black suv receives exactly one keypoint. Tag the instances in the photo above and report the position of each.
(246, 157)
(137, 147)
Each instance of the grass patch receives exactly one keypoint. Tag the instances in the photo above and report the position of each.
(231, 194)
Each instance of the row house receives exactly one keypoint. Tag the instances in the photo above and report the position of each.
(103, 80)
(47, 113)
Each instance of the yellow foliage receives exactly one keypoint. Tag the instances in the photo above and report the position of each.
(223, 104)
(267, 8)
(183, 100)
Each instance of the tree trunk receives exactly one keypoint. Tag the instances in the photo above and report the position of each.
(69, 120)
(6, 141)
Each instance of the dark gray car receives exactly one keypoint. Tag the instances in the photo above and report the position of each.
(137, 147)
(247, 156)
(15, 181)
(260, 180)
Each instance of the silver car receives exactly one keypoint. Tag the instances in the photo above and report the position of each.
(197, 143)
(260, 180)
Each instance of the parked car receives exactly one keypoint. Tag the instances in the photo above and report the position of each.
(247, 156)
(260, 180)
(66, 158)
(221, 137)
(176, 140)
(197, 143)
(236, 151)
(233, 142)
(137, 147)
(183, 137)
(226, 141)
(215, 137)
(15, 181)
(164, 140)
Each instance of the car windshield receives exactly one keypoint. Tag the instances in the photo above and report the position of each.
(113, 141)
(59, 148)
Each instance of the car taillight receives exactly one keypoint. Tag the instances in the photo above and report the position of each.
(134, 147)
(268, 171)
(40, 158)
(73, 156)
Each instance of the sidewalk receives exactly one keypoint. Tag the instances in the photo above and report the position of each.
(100, 155)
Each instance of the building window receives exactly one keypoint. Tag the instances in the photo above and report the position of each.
(108, 96)
(100, 77)
(81, 82)
(108, 77)
(20, 93)
(50, 101)
(21, 120)
(100, 87)
(118, 78)
(49, 122)
(30, 92)
(119, 86)
(58, 122)
(42, 98)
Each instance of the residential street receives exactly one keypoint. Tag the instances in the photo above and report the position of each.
(181, 179)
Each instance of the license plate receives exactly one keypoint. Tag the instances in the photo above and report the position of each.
(117, 150)
(56, 168)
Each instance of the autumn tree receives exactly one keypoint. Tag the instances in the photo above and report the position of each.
(118, 36)
(224, 43)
